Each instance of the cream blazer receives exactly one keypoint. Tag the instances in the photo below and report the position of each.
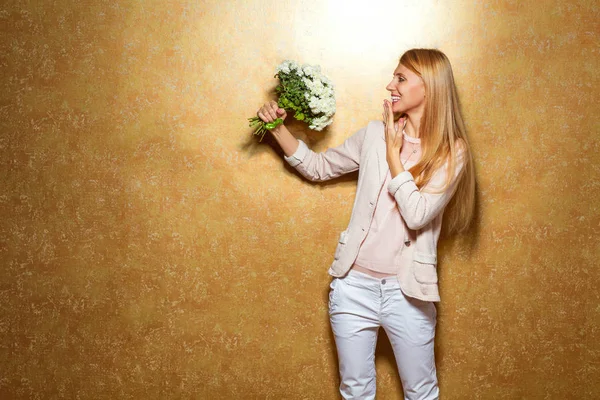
(421, 212)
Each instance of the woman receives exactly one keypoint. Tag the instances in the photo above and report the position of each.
(414, 167)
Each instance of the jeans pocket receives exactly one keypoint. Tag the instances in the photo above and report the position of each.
(430, 319)
(334, 288)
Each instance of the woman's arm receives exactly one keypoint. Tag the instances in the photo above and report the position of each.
(269, 112)
(329, 164)
(419, 208)
(289, 144)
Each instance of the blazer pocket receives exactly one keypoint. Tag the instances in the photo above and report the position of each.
(341, 244)
(425, 268)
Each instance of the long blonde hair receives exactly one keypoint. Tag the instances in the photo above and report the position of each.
(443, 135)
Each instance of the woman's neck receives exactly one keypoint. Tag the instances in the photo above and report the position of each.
(411, 128)
(413, 123)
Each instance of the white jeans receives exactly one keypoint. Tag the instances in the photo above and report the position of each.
(358, 305)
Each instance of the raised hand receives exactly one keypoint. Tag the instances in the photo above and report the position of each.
(393, 131)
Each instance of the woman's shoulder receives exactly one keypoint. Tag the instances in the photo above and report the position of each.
(371, 129)
(375, 128)
(376, 123)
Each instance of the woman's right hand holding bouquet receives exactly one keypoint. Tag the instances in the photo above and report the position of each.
(270, 112)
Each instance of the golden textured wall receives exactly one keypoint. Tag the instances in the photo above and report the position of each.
(151, 248)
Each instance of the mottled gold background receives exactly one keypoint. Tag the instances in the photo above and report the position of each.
(150, 248)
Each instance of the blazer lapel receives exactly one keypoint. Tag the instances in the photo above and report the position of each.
(380, 150)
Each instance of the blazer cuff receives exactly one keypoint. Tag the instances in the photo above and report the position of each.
(398, 181)
(299, 155)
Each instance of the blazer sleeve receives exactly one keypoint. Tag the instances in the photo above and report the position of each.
(331, 163)
(418, 207)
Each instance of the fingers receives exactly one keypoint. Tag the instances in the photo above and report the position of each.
(402, 122)
(270, 111)
(272, 108)
(388, 114)
(393, 137)
(262, 116)
(266, 114)
(384, 114)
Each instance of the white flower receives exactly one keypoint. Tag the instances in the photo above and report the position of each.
(287, 66)
(326, 81)
(319, 123)
(311, 70)
(318, 88)
(325, 105)
(319, 92)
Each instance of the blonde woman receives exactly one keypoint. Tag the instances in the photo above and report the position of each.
(414, 167)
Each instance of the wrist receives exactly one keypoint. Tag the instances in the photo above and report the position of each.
(277, 130)
(393, 153)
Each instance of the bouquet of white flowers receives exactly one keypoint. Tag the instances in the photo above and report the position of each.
(304, 90)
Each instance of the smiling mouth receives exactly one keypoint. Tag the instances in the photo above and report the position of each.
(395, 99)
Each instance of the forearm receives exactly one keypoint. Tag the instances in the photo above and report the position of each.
(329, 164)
(419, 207)
(289, 144)
(393, 160)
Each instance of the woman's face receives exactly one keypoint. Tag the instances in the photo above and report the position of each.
(407, 90)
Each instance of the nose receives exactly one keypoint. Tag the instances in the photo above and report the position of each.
(389, 86)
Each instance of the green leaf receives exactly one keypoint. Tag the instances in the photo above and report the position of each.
(274, 124)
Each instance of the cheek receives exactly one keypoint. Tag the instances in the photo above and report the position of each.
(416, 93)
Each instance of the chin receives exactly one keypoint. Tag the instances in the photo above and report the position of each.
(397, 109)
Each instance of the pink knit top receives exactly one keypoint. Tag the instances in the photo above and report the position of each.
(380, 251)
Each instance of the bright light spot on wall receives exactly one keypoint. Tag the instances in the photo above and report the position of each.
(362, 32)
(373, 27)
